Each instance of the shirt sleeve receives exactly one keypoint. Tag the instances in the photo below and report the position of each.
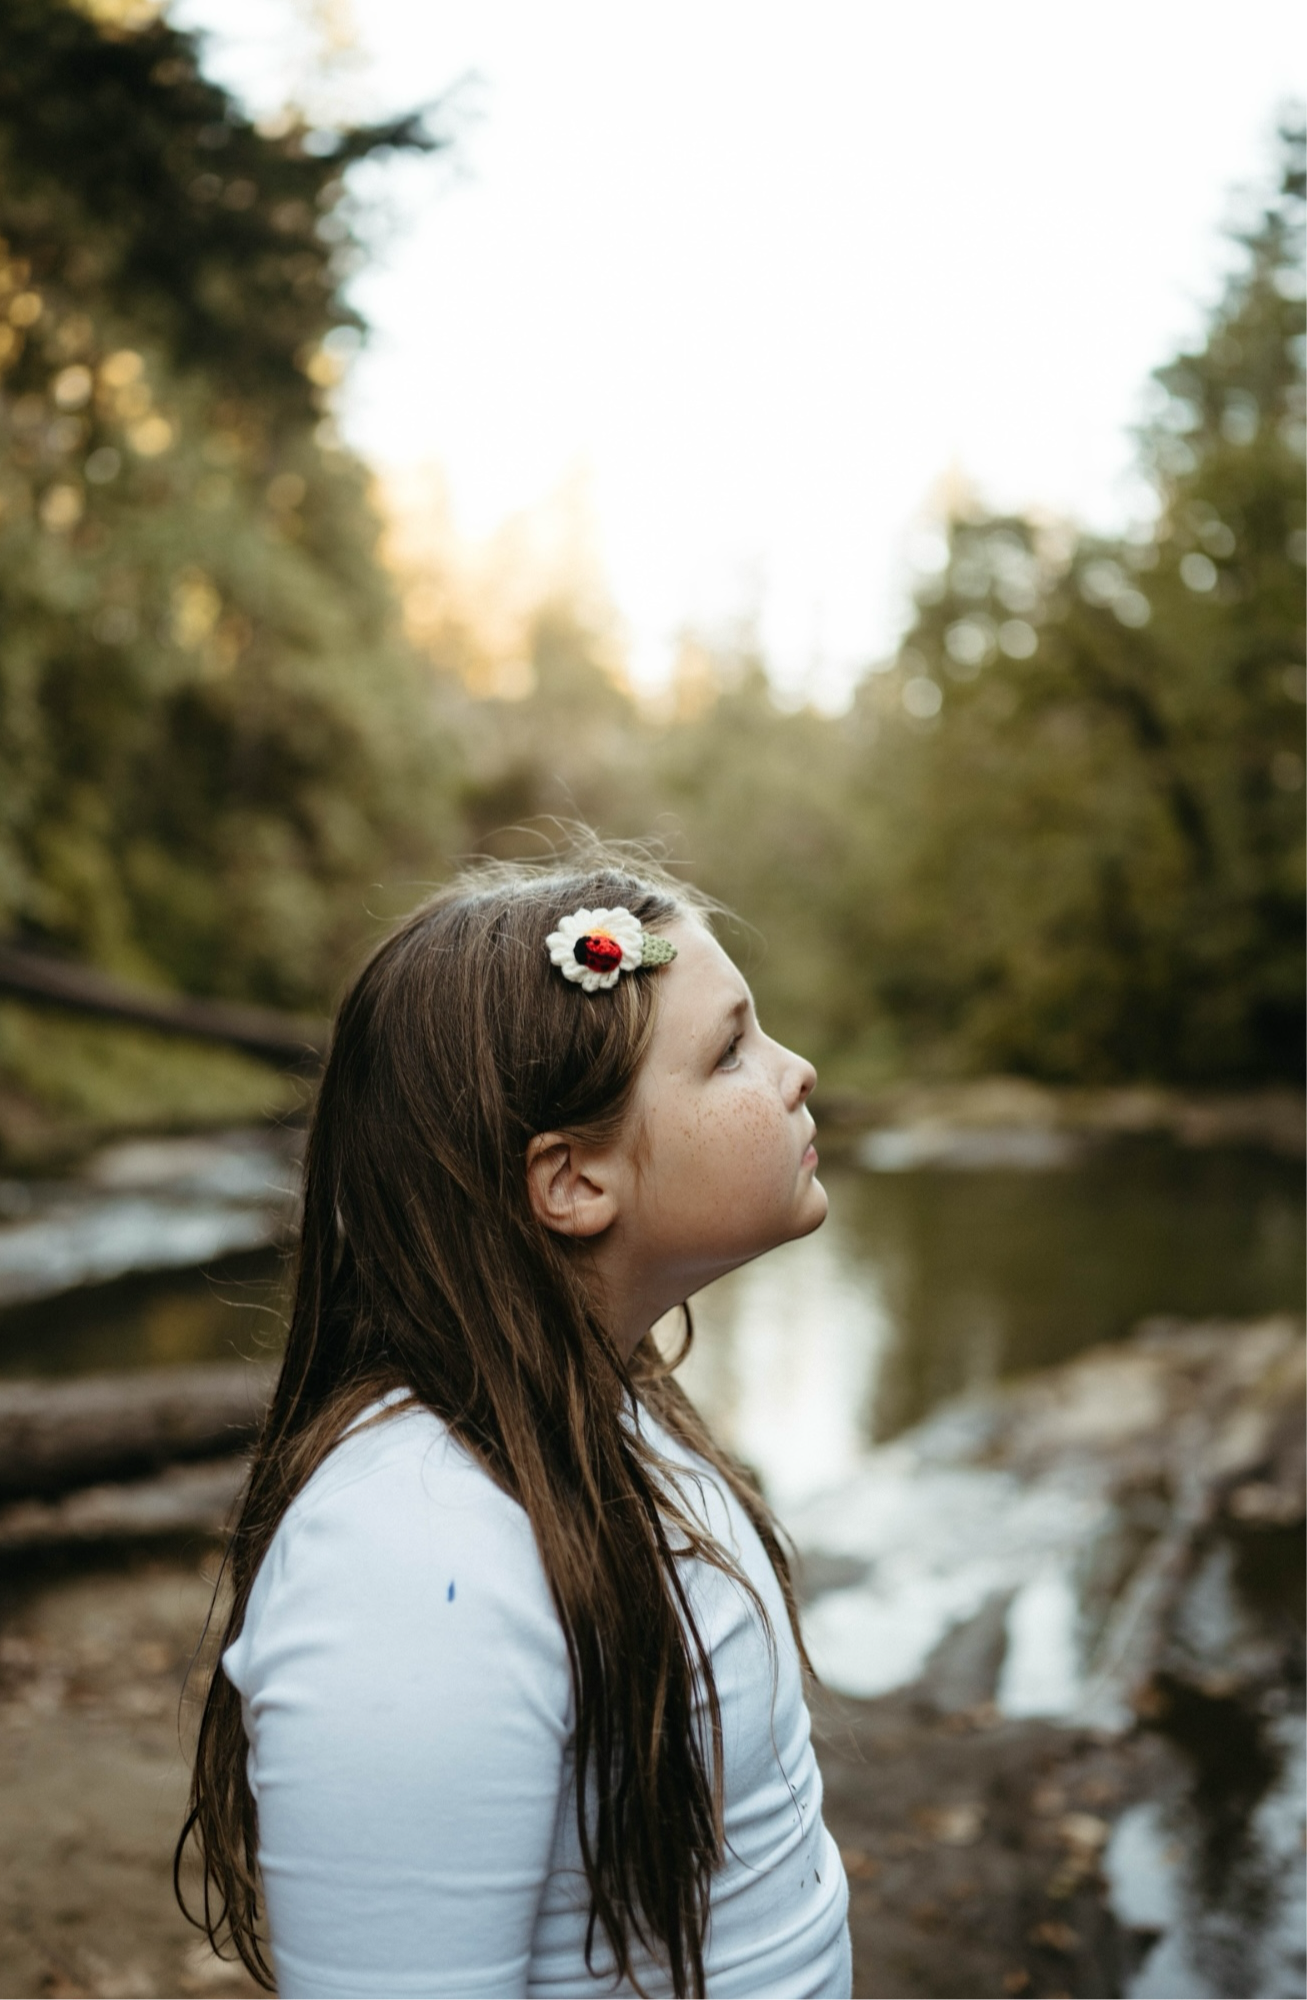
(407, 1701)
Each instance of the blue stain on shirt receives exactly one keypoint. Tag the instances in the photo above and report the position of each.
(449, 1595)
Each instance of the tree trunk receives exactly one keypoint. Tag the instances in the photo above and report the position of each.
(184, 1500)
(55, 1435)
(283, 1038)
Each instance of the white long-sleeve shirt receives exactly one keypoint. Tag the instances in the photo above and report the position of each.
(408, 1708)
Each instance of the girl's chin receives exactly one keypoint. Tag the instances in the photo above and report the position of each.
(813, 1209)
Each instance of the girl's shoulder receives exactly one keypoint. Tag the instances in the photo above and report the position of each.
(398, 1469)
(399, 1541)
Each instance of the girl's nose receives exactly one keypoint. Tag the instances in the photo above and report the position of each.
(801, 1080)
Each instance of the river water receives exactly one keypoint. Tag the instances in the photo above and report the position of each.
(923, 1285)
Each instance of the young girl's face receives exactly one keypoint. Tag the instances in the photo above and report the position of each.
(720, 1140)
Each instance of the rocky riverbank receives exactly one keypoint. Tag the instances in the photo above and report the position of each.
(1056, 1528)
(1013, 1122)
(1077, 1605)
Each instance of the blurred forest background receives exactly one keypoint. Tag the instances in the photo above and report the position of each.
(1059, 834)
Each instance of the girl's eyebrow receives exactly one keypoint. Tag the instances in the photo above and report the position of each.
(734, 1013)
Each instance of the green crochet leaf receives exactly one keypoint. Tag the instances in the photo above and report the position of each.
(656, 950)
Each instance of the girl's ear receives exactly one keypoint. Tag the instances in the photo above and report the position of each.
(570, 1189)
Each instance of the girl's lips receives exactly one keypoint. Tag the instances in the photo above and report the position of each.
(810, 1158)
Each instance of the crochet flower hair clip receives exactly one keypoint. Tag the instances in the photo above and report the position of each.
(595, 947)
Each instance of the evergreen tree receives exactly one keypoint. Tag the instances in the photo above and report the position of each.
(1090, 852)
(212, 735)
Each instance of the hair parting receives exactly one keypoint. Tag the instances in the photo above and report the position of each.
(422, 1268)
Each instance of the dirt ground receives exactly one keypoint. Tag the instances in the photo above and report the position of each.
(973, 1847)
(971, 1844)
(91, 1669)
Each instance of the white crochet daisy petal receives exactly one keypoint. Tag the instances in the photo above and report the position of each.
(619, 924)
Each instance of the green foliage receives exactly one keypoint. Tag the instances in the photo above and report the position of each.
(212, 734)
(1099, 870)
(137, 187)
(1061, 834)
(66, 1082)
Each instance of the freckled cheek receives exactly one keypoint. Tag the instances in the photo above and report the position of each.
(741, 1161)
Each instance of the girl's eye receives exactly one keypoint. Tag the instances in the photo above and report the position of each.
(730, 1055)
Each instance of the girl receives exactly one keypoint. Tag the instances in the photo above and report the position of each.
(511, 1693)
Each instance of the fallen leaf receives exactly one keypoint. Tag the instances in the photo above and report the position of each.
(97, 1980)
(132, 1982)
(1100, 1791)
(1081, 1829)
(1016, 1981)
(951, 1826)
(1058, 1937)
(963, 1721)
(1150, 1701)
(1262, 1503)
(60, 1985)
(204, 1972)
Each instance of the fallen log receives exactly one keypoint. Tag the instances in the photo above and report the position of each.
(294, 1042)
(184, 1500)
(57, 1435)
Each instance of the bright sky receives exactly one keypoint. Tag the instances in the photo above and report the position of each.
(759, 274)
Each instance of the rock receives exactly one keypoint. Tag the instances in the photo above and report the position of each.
(1035, 1545)
(963, 1670)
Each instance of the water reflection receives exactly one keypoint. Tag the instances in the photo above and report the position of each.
(147, 1205)
(786, 1358)
(1209, 1879)
(924, 1285)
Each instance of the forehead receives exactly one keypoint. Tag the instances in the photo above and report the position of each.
(696, 992)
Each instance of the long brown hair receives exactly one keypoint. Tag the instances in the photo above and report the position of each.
(422, 1266)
